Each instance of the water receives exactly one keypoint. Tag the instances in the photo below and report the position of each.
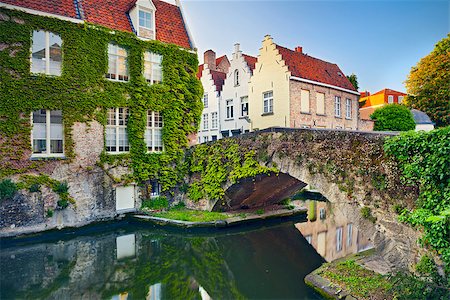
(139, 261)
(136, 260)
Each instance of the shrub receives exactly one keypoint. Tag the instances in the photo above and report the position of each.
(34, 188)
(393, 117)
(155, 203)
(7, 189)
(61, 187)
(259, 211)
(49, 213)
(366, 212)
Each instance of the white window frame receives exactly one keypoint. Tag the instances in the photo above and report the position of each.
(117, 55)
(152, 129)
(116, 128)
(47, 53)
(400, 99)
(339, 240)
(206, 121)
(244, 104)
(268, 99)
(390, 99)
(153, 23)
(349, 234)
(205, 100)
(47, 138)
(348, 108)
(337, 106)
(229, 109)
(214, 120)
(152, 62)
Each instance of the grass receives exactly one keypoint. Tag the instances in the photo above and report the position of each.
(191, 215)
(359, 282)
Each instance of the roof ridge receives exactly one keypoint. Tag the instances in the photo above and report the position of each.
(305, 55)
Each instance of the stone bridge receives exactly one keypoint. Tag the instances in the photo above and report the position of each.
(348, 166)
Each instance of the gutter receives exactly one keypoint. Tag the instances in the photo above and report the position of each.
(40, 13)
(324, 85)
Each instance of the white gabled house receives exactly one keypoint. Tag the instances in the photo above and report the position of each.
(234, 107)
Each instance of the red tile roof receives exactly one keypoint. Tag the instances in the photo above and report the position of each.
(219, 59)
(170, 27)
(64, 8)
(219, 79)
(250, 60)
(311, 68)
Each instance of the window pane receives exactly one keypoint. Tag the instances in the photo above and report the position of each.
(38, 52)
(158, 140)
(112, 70)
(110, 139)
(39, 131)
(148, 139)
(55, 54)
(123, 140)
(123, 116)
(111, 116)
(56, 132)
(158, 120)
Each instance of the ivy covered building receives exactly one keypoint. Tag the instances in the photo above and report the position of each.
(97, 101)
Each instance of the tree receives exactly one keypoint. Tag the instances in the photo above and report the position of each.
(353, 80)
(393, 117)
(428, 83)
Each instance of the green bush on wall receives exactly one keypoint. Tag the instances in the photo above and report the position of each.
(393, 117)
(83, 94)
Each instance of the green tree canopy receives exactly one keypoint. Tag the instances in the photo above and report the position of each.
(393, 117)
(428, 84)
(353, 80)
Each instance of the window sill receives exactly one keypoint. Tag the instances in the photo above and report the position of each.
(117, 153)
(305, 113)
(338, 117)
(267, 114)
(321, 115)
(205, 130)
(348, 118)
(36, 75)
(243, 117)
(230, 119)
(116, 80)
(48, 157)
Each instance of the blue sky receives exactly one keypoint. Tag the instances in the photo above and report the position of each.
(379, 41)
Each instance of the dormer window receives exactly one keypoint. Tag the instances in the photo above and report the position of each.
(142, 16)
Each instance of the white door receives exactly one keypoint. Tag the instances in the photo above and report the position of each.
(125, 197)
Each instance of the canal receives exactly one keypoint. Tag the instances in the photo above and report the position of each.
(136, 260)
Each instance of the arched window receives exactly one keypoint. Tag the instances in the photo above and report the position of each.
(236, 77)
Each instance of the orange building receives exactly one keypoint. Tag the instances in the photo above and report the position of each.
(377, 100)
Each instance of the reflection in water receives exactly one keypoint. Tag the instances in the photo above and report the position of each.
(146, 263)
(332, 234)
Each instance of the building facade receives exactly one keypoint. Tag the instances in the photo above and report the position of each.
(212, 74)
(106, 98)
(234, 107)
(292, 89)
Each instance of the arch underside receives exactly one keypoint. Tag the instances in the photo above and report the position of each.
(259, 191)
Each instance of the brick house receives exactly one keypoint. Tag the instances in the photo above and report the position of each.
(212, 74)
(96, 101)
(292, 89)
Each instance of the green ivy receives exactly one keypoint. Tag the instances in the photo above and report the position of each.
(215, 164)
(84, 94)
(425, 161)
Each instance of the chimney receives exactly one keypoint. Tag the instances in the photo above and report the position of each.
(236, 48)
(209, 58)
(299, 49)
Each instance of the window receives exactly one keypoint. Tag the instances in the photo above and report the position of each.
(205, 100)
(214, 138)
(156, 188)
(337, 106)
(116, 130)
(390, 99)
(348, 108)
(146, 21)
(153, 132)
(244, 106)
(338, 239)
(304, 101)
(205, 139)
(47, 133)
(349, 234)
(320, 102)
(268, 102)
(46, 54)
(214, 123)
(229, 104)
(205, 121)
(152, 67)
(117, 63)
(236, 77)
(400, 99)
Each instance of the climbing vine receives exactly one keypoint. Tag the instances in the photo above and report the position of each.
(425, 161)
(212, 165)
(83, 94)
